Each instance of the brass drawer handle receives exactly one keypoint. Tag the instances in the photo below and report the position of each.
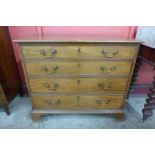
(103, 68)
(53, 53)
(110, 54)
(53, 70)
(105, 86)
(43, 52)
(103, 101)
(50, 102)
(52, 87)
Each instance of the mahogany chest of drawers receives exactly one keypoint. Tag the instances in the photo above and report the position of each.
(78, 74)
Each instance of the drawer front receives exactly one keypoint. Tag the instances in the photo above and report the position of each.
(78, 67)
(77, 102)
(79, 51)
(73, 85)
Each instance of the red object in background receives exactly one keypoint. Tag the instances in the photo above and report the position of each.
(145, 74)
(19, 32)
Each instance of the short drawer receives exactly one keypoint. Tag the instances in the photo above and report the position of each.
(73, 85)
(77, 102)
(78, 67)
(106, 51)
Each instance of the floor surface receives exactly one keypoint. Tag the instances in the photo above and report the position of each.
(20, 118)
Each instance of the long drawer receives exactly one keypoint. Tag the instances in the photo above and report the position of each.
(74, 85)
(77, 102)
(78, 67)
(106, 51)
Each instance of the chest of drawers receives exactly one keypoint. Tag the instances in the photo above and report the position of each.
(78, 74)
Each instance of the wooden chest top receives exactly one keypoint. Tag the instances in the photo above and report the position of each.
(76, 39)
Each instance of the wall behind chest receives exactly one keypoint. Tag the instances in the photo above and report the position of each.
(18, 32)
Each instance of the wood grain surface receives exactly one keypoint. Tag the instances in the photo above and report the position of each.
(77, 102)
(68, 85)
(64, 51)
(78, 67)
